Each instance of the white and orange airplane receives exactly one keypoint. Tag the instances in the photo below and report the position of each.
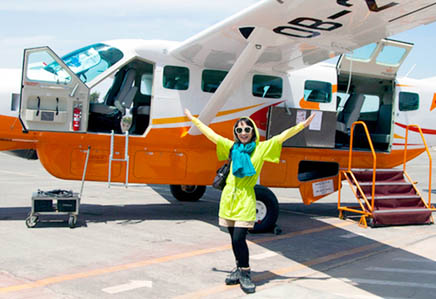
(264, 63)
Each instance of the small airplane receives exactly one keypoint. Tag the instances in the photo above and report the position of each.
(120, 103)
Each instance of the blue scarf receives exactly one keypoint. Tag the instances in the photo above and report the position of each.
(242, 165)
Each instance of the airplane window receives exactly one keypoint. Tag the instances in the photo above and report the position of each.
(211, 80)
(409, 101)
(364, 53)
(41, 66)
(90, 61)
(267, 86)
(317, 91)
(146, 84)
(390, 55)
(176, 77)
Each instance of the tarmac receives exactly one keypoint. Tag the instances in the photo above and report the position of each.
(142, 243)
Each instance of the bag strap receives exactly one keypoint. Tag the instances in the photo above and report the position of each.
(230, 154)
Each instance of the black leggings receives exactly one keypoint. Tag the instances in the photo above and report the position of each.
(239, 245)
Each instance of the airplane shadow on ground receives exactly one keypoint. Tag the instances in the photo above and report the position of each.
(307, 242)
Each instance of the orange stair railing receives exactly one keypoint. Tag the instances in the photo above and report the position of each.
(428, 205)
(349, 176)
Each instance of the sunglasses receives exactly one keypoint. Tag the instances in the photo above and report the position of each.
(247, 130)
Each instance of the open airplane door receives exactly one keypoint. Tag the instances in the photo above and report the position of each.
(367, 88)
(53, 98)
(376, 60)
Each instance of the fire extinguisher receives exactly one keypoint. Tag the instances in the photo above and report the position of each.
(77, 117)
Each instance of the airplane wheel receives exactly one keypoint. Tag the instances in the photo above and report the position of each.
(187, 192)
(31, 221)
(267, 210)
(72, 221)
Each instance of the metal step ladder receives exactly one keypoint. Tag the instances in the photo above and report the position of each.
(123, 160)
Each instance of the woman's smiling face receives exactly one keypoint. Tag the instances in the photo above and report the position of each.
(244, 132)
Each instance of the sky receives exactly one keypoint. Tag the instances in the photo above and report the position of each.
(68, 25)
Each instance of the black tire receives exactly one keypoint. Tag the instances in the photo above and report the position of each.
(268, 212)
(31, 221)
(187, 193)
(72, 221)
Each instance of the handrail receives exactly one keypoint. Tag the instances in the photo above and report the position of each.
(428, 153)
(374, 168)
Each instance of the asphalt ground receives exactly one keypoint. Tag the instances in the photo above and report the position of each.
(142, 243)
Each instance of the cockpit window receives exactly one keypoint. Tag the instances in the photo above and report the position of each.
(89, 62)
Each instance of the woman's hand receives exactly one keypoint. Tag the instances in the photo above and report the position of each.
(188, 114)
(307, 122)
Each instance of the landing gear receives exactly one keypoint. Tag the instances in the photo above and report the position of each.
(267, 211)
(31, 221)
(72, 221)
(187, 192)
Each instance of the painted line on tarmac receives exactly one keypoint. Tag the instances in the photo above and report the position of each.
(352, 235)
(343, 295)
(405, 284)
(283, 271)
(132, 285)
(102, 271)
(18, 173)
(399, 270)
(264, 255)
(411, 260)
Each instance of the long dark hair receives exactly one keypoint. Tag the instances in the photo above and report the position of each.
(247, 122)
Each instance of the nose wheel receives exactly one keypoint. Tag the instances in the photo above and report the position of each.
(187, 192)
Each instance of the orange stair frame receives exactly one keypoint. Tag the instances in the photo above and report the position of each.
(366, 206)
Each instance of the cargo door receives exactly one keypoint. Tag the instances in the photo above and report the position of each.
(53, 98)
(377, 60)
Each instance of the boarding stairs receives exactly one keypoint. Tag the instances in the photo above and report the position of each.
(386, 196)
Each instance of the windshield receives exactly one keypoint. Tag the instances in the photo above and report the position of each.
(88, 62)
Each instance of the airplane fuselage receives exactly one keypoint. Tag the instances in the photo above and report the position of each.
(160, 149)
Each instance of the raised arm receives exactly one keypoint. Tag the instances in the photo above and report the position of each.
(286, 134)
(208, 132)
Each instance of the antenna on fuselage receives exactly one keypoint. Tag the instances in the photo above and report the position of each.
(411, 69)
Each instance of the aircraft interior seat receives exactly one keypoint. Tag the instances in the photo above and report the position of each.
(140, 119)
(102, 108)
(122, 100)
(383, 128)
(104, 117)
(351, 112)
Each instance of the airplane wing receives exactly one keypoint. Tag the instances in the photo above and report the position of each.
(299, 33)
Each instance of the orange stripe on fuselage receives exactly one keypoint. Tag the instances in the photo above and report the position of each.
(308, 105)
(182, 119)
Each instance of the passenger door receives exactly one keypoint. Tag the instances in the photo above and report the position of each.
(53, 98)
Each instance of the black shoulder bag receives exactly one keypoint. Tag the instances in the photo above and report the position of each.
(219, 182)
